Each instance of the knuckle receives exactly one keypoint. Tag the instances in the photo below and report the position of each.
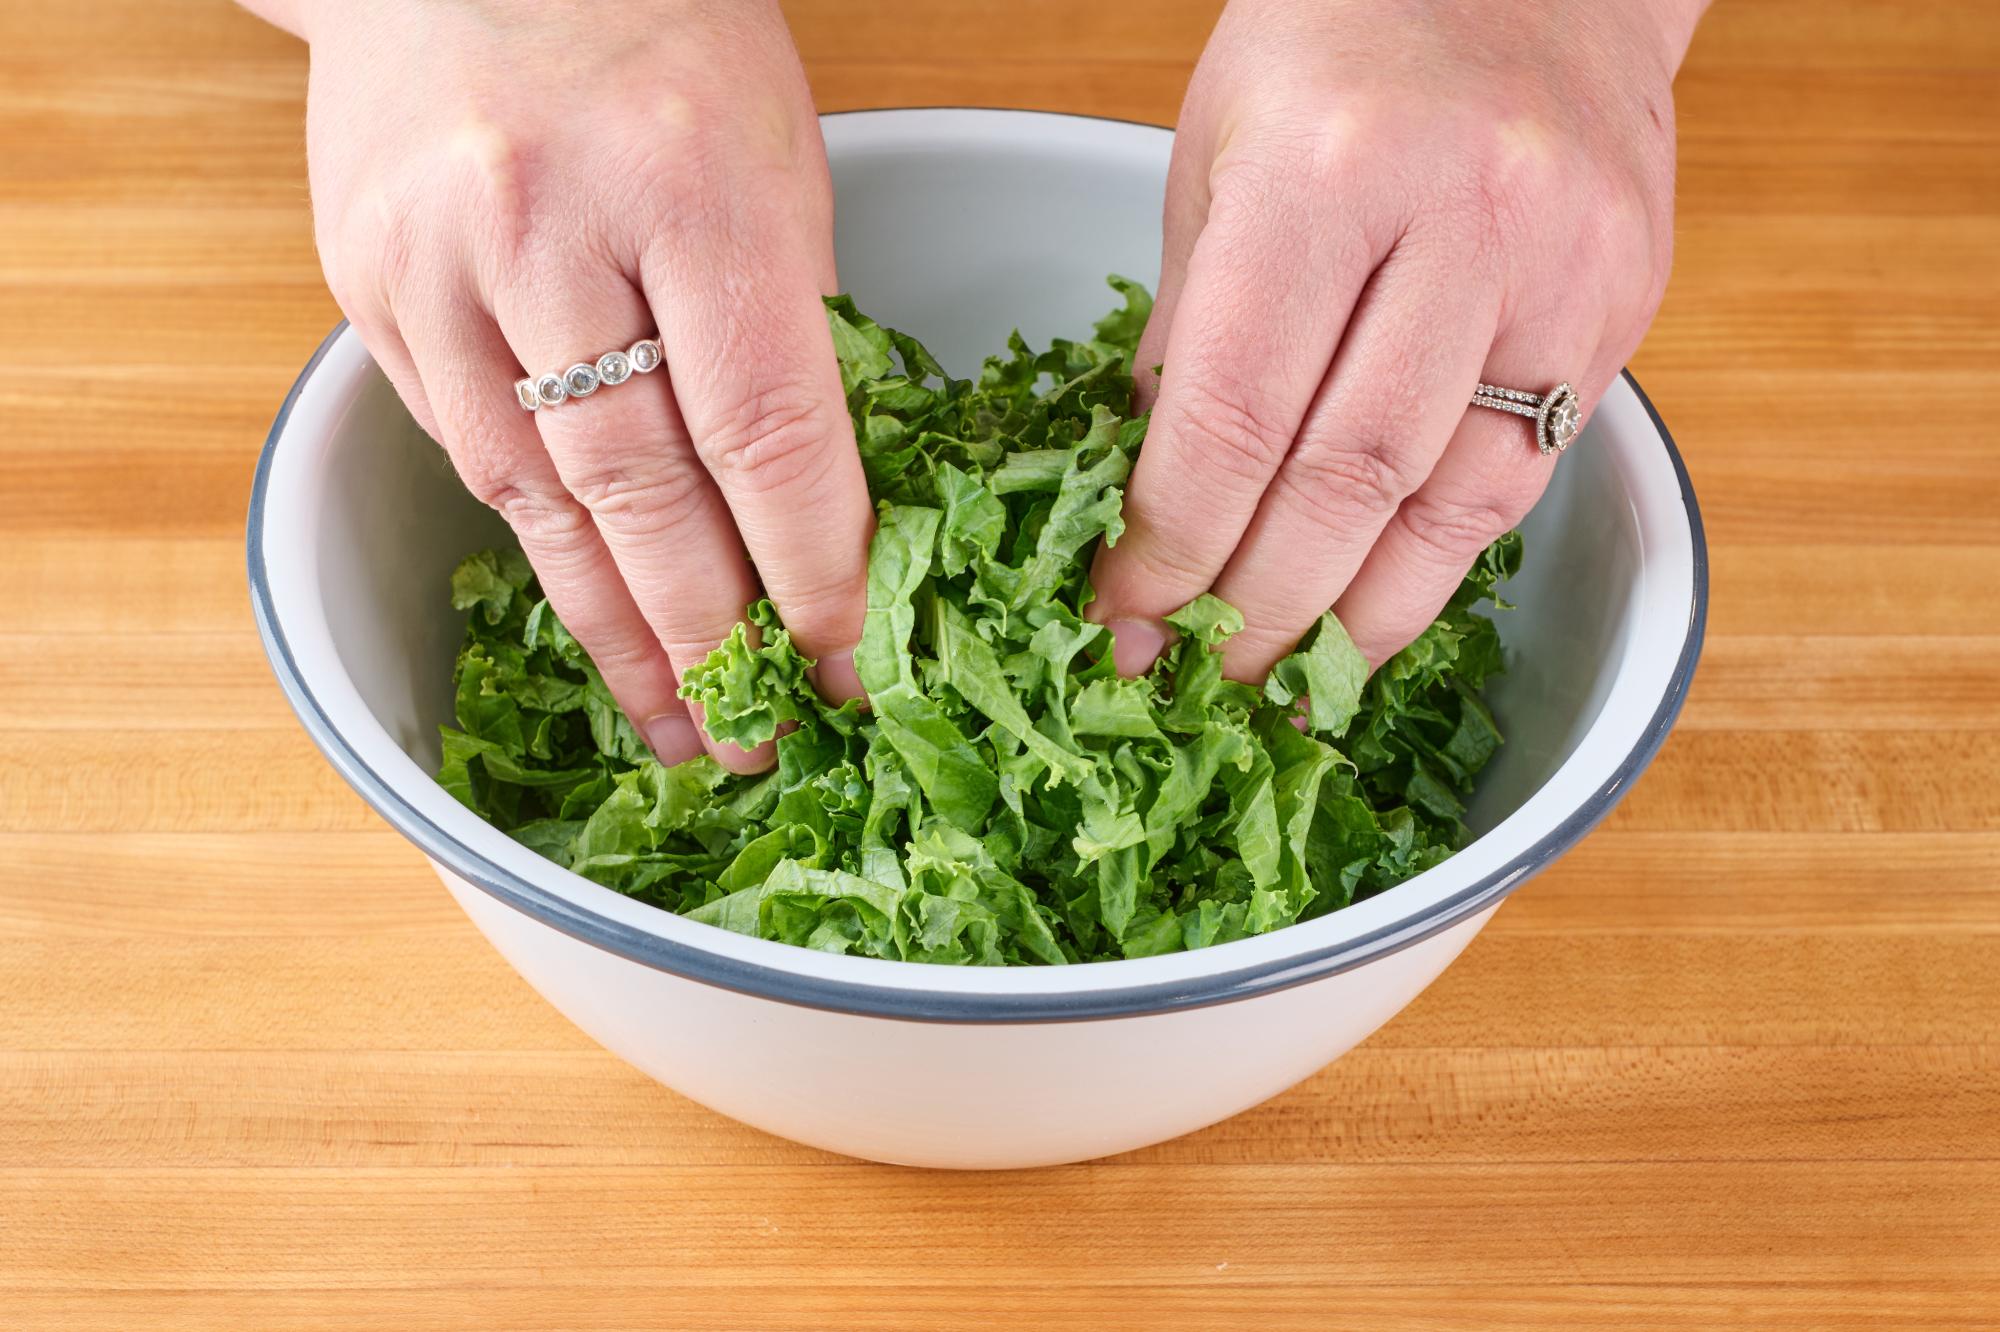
(1611, 224)
(1259, 645)
(618, 654)
(489, 479)
(640, 496)
(546, 518)
(772, 438)
(1158, 564)
(1509, 172)
(1248, 181)
(1336, 489)
(1284, 177)
(511, 200)
(1343, 477)
(1456, 530)
(684, 646)
(1236, 432)
(823, 611)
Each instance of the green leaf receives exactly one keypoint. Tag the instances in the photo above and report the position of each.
(971, 668)
(1328, 670)
(958, 782)
(1122, 327)
(858, 341)
(974, 520)
(1114, 707)
(490, 582)
(747, 692)
(899, 562)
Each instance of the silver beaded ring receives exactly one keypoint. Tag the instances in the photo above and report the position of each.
(586, 377)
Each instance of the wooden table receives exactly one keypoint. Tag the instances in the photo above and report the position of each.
(1732, 1063)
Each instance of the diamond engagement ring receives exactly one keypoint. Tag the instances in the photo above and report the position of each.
(585, 377)
(1557, 416)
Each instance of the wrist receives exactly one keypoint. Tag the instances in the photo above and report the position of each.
(301, 17)
(1654, 33)
(1657, 31)
(1675, 22)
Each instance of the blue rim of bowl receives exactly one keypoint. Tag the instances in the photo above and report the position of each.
(862, 998)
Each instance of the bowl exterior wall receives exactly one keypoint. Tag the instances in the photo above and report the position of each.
(974, 1097)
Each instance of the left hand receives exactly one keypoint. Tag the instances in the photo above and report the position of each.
(1373, 207)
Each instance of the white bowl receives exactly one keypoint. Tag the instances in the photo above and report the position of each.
(959, 226)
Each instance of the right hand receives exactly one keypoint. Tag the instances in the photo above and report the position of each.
(505, 189)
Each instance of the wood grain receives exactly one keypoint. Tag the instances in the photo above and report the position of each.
(1732, 1063)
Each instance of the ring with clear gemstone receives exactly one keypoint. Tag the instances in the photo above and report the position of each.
(586, 377)
(614, 367)
(1557, 414)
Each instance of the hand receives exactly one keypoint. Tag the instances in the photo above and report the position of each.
(507, 188)
(1372, 208)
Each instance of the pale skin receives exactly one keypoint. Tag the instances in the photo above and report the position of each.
(1374, 205)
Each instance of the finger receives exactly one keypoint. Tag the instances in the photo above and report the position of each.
(746, 336)
(623, 453)
(385, 344)
(1491, 474)
(365, 302)
(467, 370)
(1270, 284)
(1182, 215)
(1396, 391)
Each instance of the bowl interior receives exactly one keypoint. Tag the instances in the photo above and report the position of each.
(960, 233)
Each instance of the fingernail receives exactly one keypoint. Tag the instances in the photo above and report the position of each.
(672, 737)
(1135, 645)
(836, 677)
(744, 762)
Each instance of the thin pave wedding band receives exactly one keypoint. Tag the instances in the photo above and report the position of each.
(586, 377)
(1557, 415)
